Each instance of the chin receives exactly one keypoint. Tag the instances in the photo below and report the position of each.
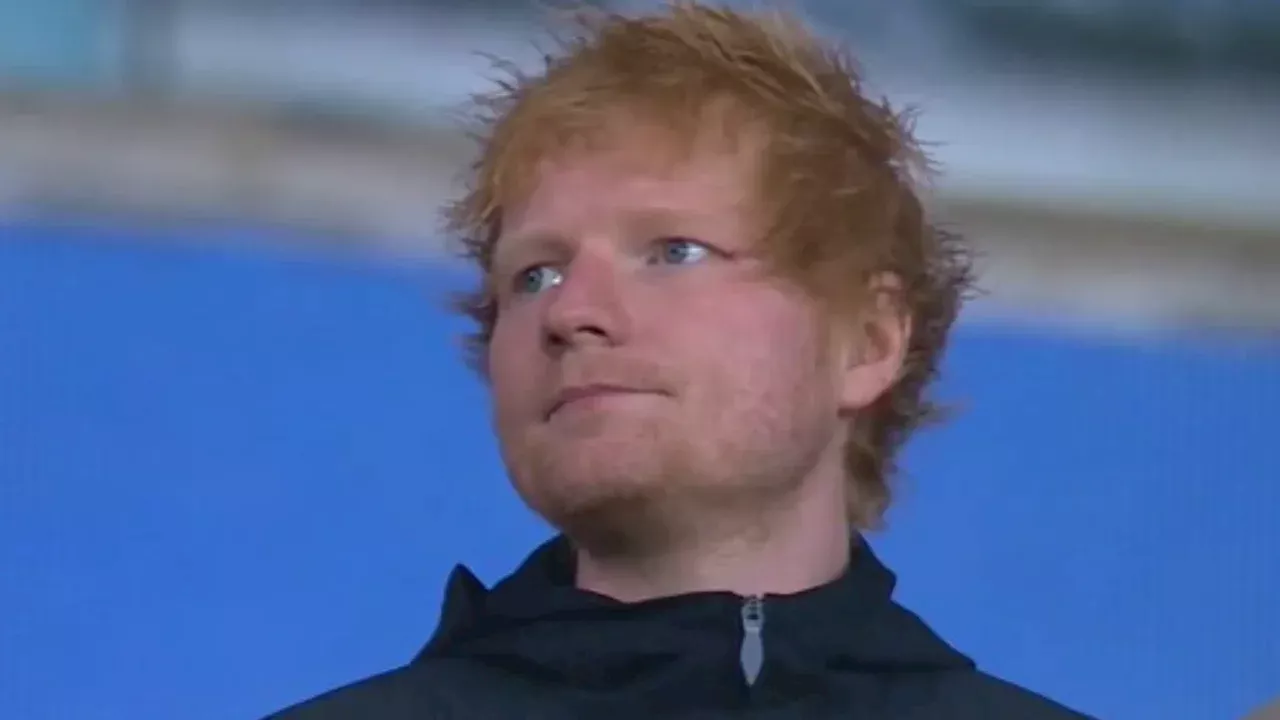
(605, 462)
(584, 484)
(591, 486)
(628, 521)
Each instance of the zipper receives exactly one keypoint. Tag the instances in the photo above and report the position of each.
(752, 653)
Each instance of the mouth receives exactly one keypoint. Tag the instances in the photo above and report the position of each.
(589, 393)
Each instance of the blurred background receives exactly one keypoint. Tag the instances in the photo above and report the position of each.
(238, 453)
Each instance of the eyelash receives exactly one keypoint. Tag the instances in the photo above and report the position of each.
(665, 244)
(660, 245)
(515, 281)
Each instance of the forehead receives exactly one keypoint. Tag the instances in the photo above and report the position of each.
(634, 172)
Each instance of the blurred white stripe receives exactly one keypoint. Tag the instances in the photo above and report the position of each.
(1123, 204)
(1199, 150)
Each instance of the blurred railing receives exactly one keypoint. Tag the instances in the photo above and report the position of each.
(1139, 190)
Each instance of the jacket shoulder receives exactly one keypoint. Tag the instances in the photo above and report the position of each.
(426, 691)
(391, 695)
(980, 695)
(435, 689)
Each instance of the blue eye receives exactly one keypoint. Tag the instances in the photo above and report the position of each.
(536, 279)
(680, 251)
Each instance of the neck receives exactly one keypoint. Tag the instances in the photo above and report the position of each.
(794, 548)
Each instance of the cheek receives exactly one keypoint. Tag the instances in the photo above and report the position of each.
(512, 366)
(762, 355)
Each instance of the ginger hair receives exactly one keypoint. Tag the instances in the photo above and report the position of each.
(838, 189)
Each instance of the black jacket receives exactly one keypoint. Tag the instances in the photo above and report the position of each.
(535, 647)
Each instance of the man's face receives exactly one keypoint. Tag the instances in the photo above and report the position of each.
(647, 371)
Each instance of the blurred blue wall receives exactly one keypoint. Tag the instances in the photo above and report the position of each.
(231, 480)
(56, 41)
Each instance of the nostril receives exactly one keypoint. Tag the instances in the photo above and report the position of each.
(556, 340)
(584, 334)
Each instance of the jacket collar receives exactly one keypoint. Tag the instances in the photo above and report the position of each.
(536, 617)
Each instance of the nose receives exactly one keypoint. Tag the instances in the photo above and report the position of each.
(587, 309)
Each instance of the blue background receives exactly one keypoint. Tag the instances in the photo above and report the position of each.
(232, 479)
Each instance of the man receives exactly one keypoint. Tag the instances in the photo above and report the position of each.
(711, 305)
(1267, 712)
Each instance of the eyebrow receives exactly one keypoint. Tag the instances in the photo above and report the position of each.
(657, 221)
(525, 243)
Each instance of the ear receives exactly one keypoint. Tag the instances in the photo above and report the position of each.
(875, 345)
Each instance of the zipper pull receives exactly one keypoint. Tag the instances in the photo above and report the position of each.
(752, 654)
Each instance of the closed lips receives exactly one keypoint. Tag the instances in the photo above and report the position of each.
(572, 394)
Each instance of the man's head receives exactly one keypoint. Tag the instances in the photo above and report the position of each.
(708, 279)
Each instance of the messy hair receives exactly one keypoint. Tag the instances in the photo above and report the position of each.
(838, 184)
